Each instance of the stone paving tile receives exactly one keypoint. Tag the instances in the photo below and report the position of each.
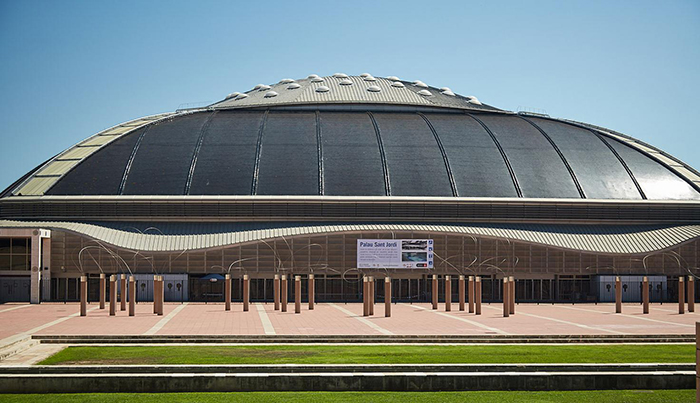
(213, 319)
(327, 319)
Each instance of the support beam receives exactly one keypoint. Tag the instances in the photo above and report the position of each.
(506, 297)
(471, 294)
(122, 294)
(371, 295)
(448, 294)
(132, 296)
(645, 295)
(103, 290)
(511, 299)
(461, 291)
(387, 297)
(112, 295)
(435, 291)
(83, 295)
(618, 295)
(691, 294)
(297, 294)
(681, 296)
(246, 293)
(227, 292)
(276, 291)
(283, 293)
(477, 292)
(311, 289)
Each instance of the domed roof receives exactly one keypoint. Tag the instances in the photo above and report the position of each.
(361, 136)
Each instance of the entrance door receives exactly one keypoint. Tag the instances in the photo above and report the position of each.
(14, 289)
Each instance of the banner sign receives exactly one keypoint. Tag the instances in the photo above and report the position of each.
(395, 253)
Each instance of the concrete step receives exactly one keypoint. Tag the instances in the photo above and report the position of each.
(343, 381)
(16, 346)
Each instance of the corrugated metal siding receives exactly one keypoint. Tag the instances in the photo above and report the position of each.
(601, 239)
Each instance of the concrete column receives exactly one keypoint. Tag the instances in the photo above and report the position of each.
(681, 296)
(155, 294)
(371, 295)
(365, 296)
(435, 291)
(618, 295)
(161, 295)
(511, 298)
(461, 292)
(645, 295)
(45, 269)
(477, 292)
(506, 297)
(276, 287)
(312, 292)
(283, 293)
(387, 297)
(246, 293)
(227, 292)
(448, 294)
(103, 290)
(297, 294)
(112, 295)
(83, 295)
(122, 294)
(471, 294)
(691, 294)
(132, 296)
(35, 279)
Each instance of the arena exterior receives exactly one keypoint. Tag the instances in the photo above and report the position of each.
(285, 178)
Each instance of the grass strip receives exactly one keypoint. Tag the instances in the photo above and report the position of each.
(375, 354)
(617, 396)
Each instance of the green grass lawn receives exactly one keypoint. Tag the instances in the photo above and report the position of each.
(375, 354)
(617, 396)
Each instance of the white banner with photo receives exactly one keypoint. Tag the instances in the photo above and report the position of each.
(395, 253)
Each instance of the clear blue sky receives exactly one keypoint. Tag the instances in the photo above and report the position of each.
(71, 68)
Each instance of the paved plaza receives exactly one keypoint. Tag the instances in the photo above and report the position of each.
(23, 320)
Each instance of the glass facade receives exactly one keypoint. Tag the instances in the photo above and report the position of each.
(15, 254)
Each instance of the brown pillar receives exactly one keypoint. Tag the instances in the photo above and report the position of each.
(618, 295)
(691, 294)
(365, 296)
(83, 295)
(312, 292)
(371, 295)
(297, 294)
(103, 290)
(283, 293)
(161, 295)
(155, 295)
(112, 295)
(681, 295)
(448, 294)
(471, 294)
(477, 294)
(227, 292)
(645, 295)
(387, 297)
(697, 362)
(506, 297)
(276, 287)
(511, 299)
(246, 293)
(132, 296)
(435, 291)
(122, 294)
(461, 291)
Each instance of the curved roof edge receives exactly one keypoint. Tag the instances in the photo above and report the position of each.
(606, 240)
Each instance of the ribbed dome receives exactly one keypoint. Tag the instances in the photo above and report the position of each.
(349, 141)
